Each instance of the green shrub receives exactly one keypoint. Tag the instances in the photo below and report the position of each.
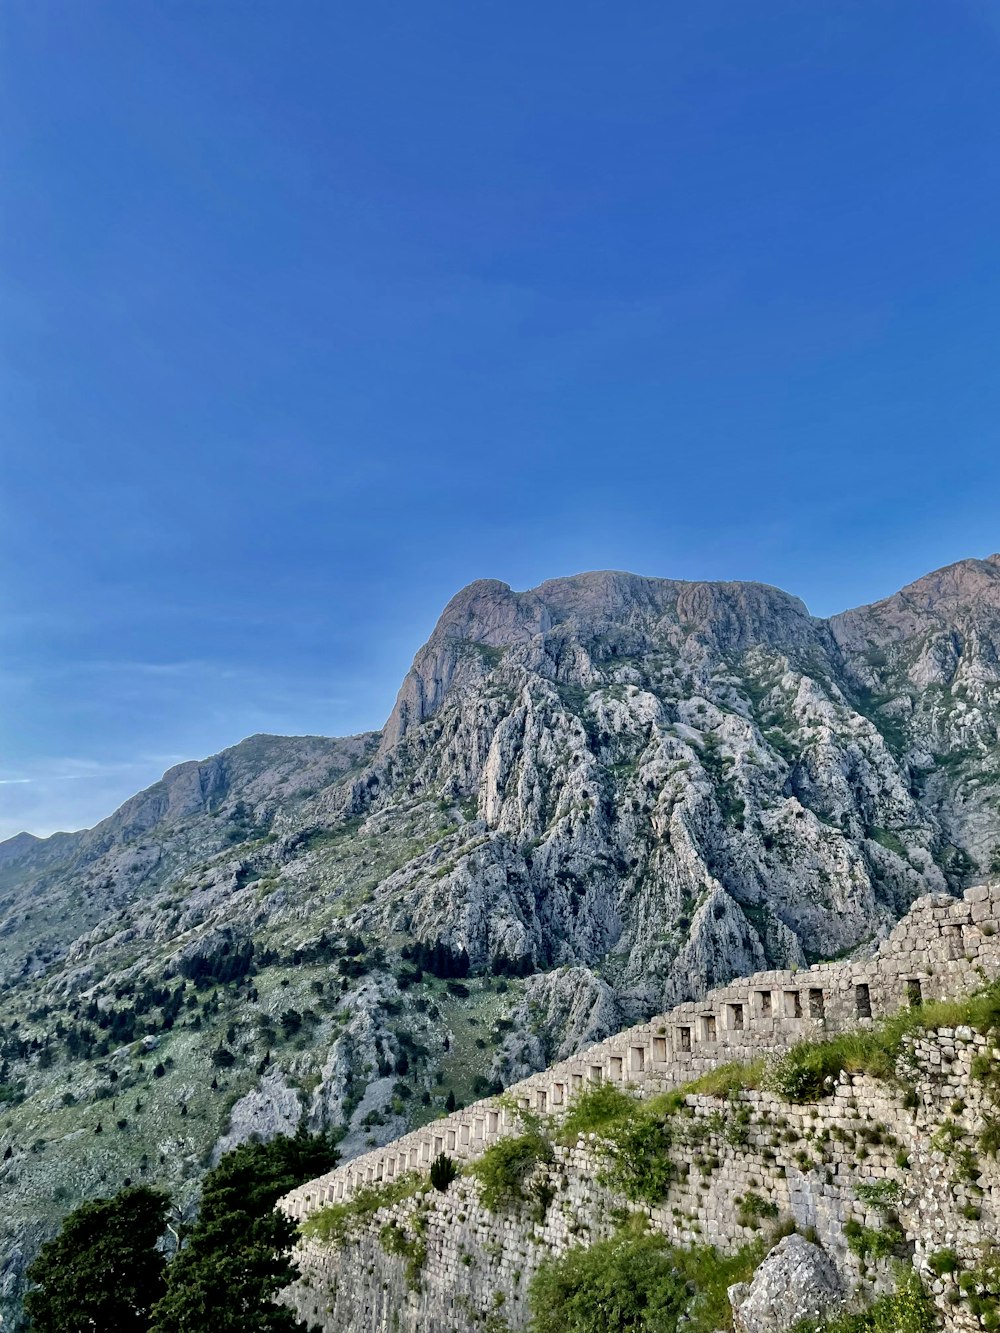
(628, 1284)
(871, 1242)
(336, 1221)
(942, 1262)
(753, 1208)
(880, 1194)
(505, 1166)
(638, 1283)
(640, 1165)
(809, 1070)
(984, 1069)
(596, 1111)
(989, 1138)
(980, 1290)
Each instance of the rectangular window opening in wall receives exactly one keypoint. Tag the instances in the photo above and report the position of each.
(736, 1017)
(451, 1140)
(684, 1038)
(914, 995)
(477, 1130)
(793, 1004)
(577, 1081)
(709, 1030)
(541, 1101)
(492, 1122)
(596, 1074)
(558, 1094)
(438, 1146)
(660, 1049)
(817, 1007)
(616, 1068)
(638, 1055)
(863, 1000)
(764, 1003)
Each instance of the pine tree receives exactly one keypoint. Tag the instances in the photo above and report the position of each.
(102, 1271)
(237, 1256)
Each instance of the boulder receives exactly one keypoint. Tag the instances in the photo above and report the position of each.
(796, 1281)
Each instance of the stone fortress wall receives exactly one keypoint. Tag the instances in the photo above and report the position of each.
(944, 947)
(802, 1163)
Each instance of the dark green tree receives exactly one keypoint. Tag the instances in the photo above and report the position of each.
(443, 1171)
(102, 1271)
(236, 1257)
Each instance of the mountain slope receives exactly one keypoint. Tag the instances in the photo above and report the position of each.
(596, 798)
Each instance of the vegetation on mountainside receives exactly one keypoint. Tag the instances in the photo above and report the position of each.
(104, 1270)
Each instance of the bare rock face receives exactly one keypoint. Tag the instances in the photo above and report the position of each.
(559, 1013)
(796, 1281)
(479, 622)
(269, 1109)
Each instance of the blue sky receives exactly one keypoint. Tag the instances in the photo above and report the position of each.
(312, 313)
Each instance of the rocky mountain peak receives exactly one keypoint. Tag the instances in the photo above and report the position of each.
(13, 849)
(488, 615)
(949, 600)
(965, 584)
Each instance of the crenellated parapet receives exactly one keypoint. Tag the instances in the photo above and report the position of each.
(943, 948)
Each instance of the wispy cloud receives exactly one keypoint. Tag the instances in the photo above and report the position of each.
(70, 792)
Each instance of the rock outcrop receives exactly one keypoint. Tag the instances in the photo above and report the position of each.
(796, 1281)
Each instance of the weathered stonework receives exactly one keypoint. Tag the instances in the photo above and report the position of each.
(803, 1161)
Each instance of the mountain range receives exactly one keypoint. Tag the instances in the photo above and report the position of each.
(591, 800)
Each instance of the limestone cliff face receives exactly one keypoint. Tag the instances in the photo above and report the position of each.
(674, 783)
(606, 794)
